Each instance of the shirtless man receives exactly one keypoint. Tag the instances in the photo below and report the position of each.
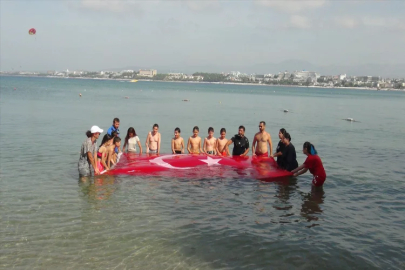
(221, 143)
(262, 138)
(210, 142)
(194, 142)
(177, 142)
(153, 141)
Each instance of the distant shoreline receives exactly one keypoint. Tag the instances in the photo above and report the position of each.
(200, 82)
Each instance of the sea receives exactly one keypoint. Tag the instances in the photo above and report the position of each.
(51, 220)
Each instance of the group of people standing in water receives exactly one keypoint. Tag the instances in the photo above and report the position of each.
(98, 159)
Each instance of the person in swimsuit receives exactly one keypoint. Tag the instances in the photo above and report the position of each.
(104, 154)
(313, 163)
(289, 156)
(177, 142)
(88, 154)
(153, 141)
(220, 145)
(194, 142)
(131, 140)
(262, 138)
(280, 147)
(210, 142)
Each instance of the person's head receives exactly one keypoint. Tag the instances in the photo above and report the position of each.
(155, 128)
(116, 123)
(281, 133)
(114, 133)
(196, 130)
(287, 138)
(95, 132)
(241, 131)
(262, 125)
(130, 134)
(177, 132)
(223, 133)
(117, 142)
(210, 131)
(309, 149)
(107, 140)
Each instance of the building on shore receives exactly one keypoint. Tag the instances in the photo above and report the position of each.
(147, 72)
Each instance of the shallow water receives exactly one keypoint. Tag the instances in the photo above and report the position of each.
(49, 220)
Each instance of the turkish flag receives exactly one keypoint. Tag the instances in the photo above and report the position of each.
(198, 166)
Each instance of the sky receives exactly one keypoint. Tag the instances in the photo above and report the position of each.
(186, 36)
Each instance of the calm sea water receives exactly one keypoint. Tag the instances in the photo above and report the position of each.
(51, 221)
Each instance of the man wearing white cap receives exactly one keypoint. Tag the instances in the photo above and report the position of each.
(88, 153)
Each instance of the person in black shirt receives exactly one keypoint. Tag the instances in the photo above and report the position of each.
(240, 143)
(280, 147)
(289, 156)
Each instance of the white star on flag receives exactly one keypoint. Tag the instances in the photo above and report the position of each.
(211, 161)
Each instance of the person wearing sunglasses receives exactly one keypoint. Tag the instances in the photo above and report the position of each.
(260, 141)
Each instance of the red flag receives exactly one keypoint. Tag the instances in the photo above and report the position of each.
(199, 167)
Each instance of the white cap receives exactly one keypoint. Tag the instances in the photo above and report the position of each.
(95, 129)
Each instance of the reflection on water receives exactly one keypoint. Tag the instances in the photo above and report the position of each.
(311, 208)
(98, 188)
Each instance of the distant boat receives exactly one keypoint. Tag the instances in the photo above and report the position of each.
(134, 80)
(350, 120)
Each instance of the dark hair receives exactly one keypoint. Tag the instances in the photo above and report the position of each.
(242, 127)
(210, 129)
(222, 130)
(283, 131)
(106, 138)
(117, 139)
(130, 130)
(287, 136)
(196, 128)
(262, 122)
(310, 148)
(177, 129)
(88, 133)
(155, 125)
(114, 133)
(116, 120)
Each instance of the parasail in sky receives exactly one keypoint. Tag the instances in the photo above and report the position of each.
(32, 31)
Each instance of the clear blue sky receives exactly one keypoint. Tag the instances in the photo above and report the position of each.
(102, 34)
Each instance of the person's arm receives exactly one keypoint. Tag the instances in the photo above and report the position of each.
(246, 152)
(300, 172)
(188, 146)
(205, 146)
(182, 146)
(254, 146)
(147, 143)
(298, 168)
(227, 146)
(140, 147)
(173, 152)
(158, 150)
(270, 145)
(111, 153)
(247, 147)
(215, 148)
(123, 148)
(103, 160)
(199, 144)
(90, 157)
(278, 154)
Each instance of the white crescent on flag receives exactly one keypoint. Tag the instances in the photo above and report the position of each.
(159, 161)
